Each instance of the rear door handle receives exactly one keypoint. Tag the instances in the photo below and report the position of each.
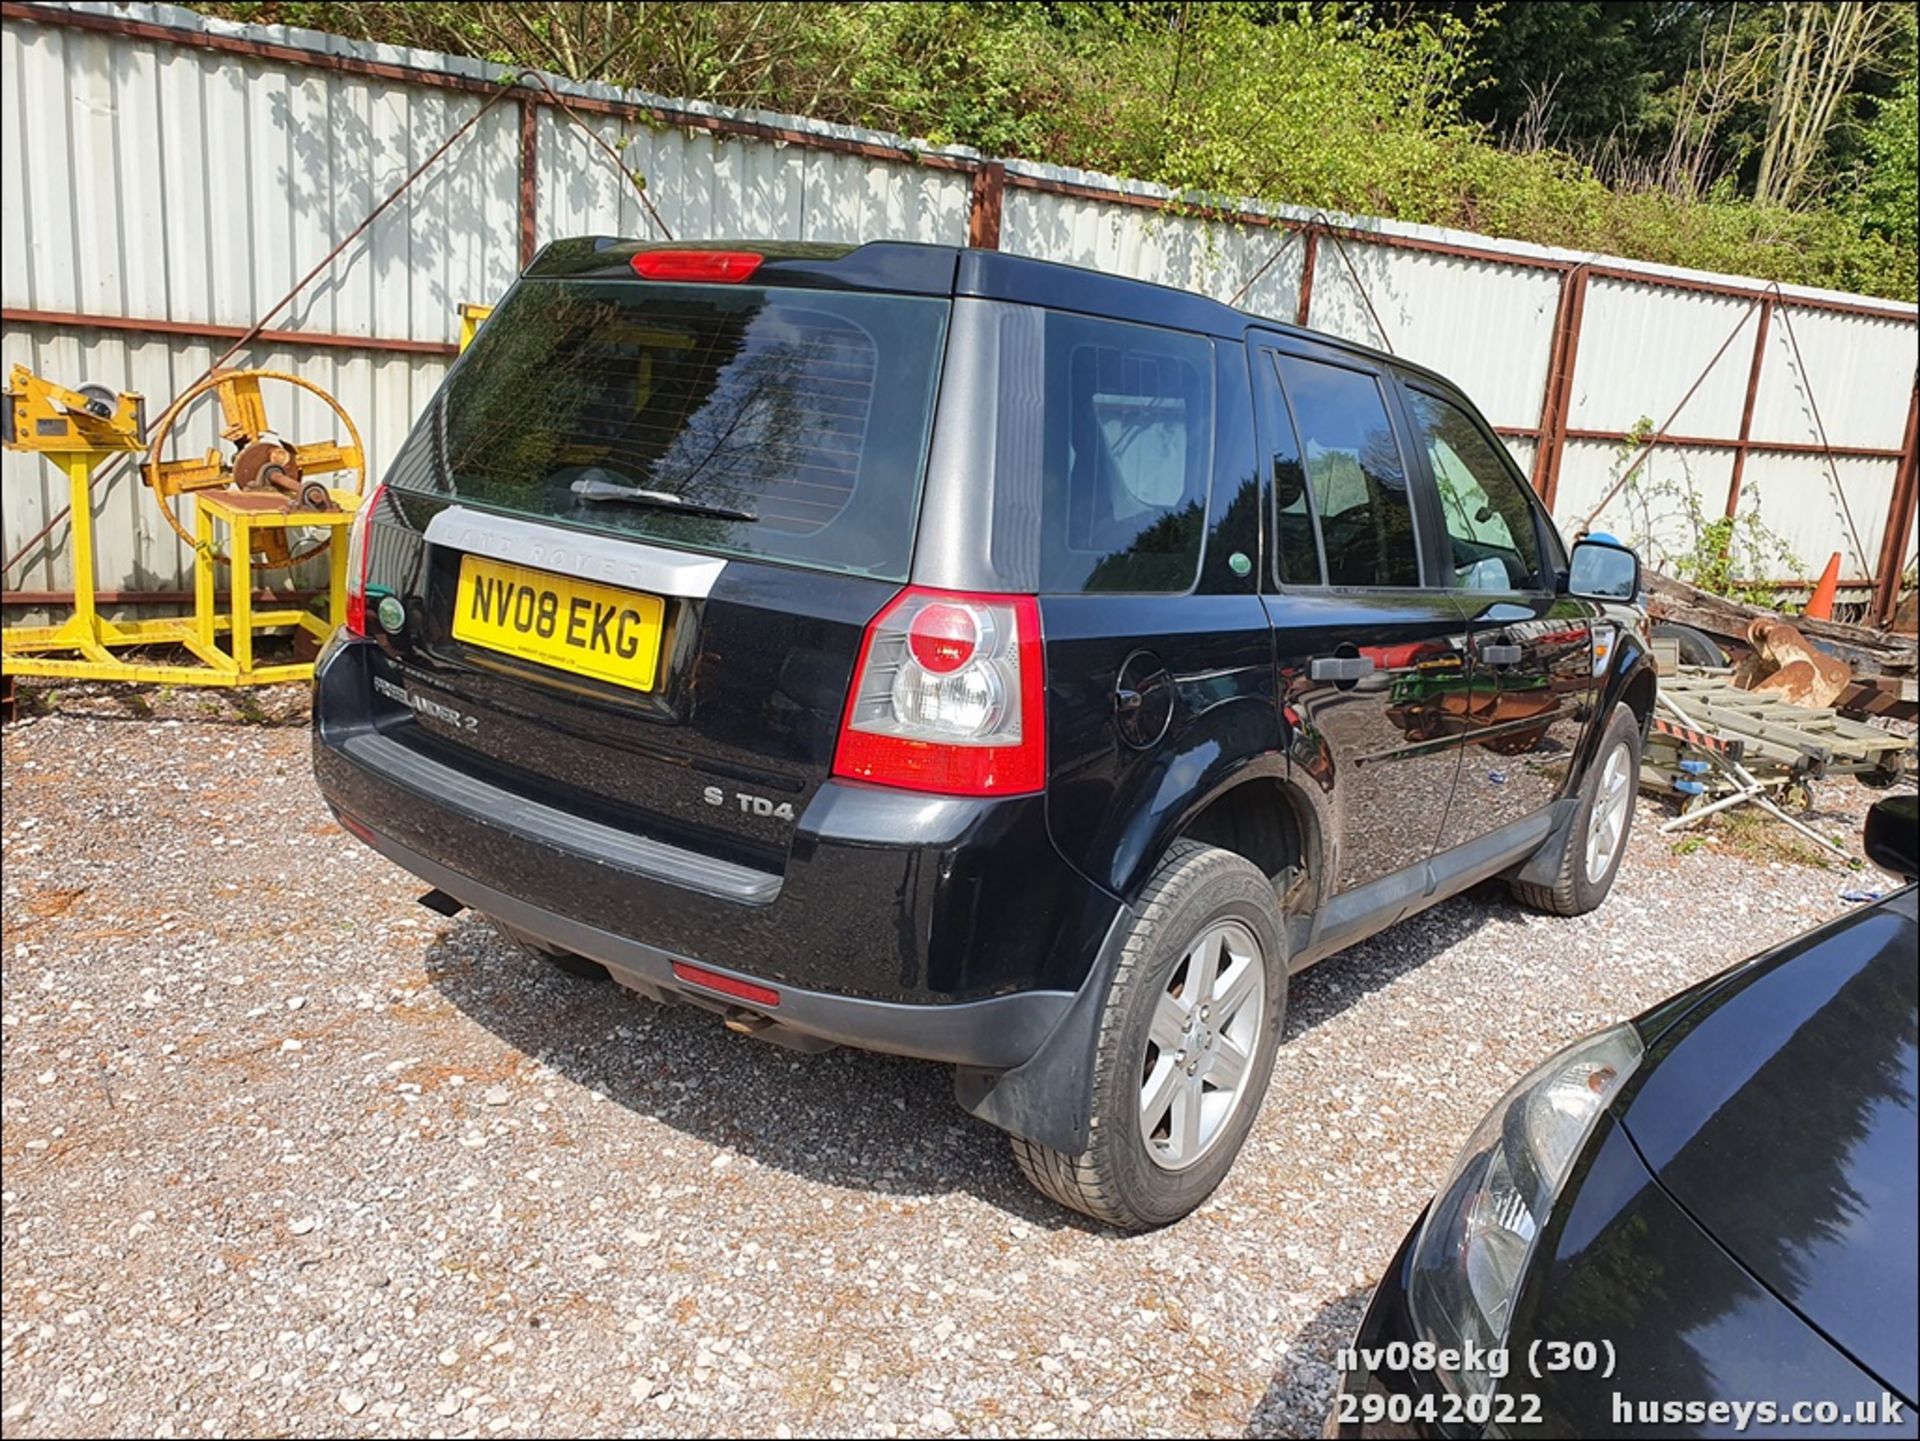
(1500, 654)
(1340, 667)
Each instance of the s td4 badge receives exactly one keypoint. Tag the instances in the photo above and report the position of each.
(752, 805)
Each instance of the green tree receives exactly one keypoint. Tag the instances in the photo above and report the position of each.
(1579, 73)
(1888, 197)
(1822, 48)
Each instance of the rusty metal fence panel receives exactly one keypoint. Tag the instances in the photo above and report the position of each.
(180, 174)
(1196, 254)
(703, 184)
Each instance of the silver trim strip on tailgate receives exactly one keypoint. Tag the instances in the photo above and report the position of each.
(610, 560)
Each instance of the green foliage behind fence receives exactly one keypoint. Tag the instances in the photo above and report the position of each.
(1305, 105)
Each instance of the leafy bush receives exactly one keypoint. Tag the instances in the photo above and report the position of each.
(1292, 103)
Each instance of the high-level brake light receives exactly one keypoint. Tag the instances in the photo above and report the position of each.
(721, 267)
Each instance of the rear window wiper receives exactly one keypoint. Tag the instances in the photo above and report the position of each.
(608, 491)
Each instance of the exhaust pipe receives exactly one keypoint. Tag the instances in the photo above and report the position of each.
(765, 1028)
(439, 902)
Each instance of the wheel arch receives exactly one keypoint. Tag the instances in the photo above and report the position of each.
(1262, 816)
(1639, 694)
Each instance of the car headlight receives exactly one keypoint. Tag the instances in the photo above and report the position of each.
(1480, 1231)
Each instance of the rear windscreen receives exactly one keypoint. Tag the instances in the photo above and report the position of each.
(789, 424)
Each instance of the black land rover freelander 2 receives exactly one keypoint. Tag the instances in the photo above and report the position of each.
(973, 658)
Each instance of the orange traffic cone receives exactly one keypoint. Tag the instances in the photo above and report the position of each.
(1821, 606)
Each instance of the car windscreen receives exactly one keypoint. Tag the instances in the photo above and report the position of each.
(780, 423)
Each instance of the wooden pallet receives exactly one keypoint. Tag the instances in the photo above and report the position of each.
(1782, 745)
(1830, 739)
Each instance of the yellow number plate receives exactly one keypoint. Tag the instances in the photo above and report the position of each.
(572, 625)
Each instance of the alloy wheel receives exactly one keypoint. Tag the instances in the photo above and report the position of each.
(1611, 802)
(1200, 1047)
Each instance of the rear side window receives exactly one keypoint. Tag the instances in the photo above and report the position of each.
(1128, 451)
(1296, 531)
(1489, 520)
(1354, 467)
(787, 424)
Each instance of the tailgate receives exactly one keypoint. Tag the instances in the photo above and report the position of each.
(636, 538)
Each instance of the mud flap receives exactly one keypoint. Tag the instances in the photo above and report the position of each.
(1542, 868)
(1049, 1097)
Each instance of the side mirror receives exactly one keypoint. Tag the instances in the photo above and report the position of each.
(1893, 835)
(1601, 570)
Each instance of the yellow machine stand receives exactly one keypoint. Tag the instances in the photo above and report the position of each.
(472, 317)
(78, 430)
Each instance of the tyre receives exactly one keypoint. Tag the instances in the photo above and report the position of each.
(1696, 646)
(1186, 1045)
(1591, 847)
(573, 965)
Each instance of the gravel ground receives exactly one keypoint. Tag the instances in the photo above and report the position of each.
(285, 1153)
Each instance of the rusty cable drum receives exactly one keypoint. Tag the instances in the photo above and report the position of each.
(262, 462)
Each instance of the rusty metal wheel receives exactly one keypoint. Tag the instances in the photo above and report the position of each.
(262, 459)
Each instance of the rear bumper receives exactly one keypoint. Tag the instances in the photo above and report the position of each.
(994, 1034)
(947, 930)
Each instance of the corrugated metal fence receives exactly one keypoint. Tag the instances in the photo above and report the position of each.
(178, 175)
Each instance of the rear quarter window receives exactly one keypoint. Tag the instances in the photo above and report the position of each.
(1128, 449)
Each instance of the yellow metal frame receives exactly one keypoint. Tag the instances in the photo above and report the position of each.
(244, 409)
(471, 318)
(44, 415)
(25, 650)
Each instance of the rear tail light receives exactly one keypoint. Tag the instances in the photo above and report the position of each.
(948, 697)
(721, 267)
(357, 562)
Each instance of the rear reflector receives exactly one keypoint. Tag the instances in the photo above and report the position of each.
(719, 267)
(727, 985)
(943, 638)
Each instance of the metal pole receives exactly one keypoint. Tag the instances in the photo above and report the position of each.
(1746, 412)
(1307, 265)
(79, 467)
(529, 181)
(1900, 514)
(1558, 400)
(1681, 822)
(985, 198)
